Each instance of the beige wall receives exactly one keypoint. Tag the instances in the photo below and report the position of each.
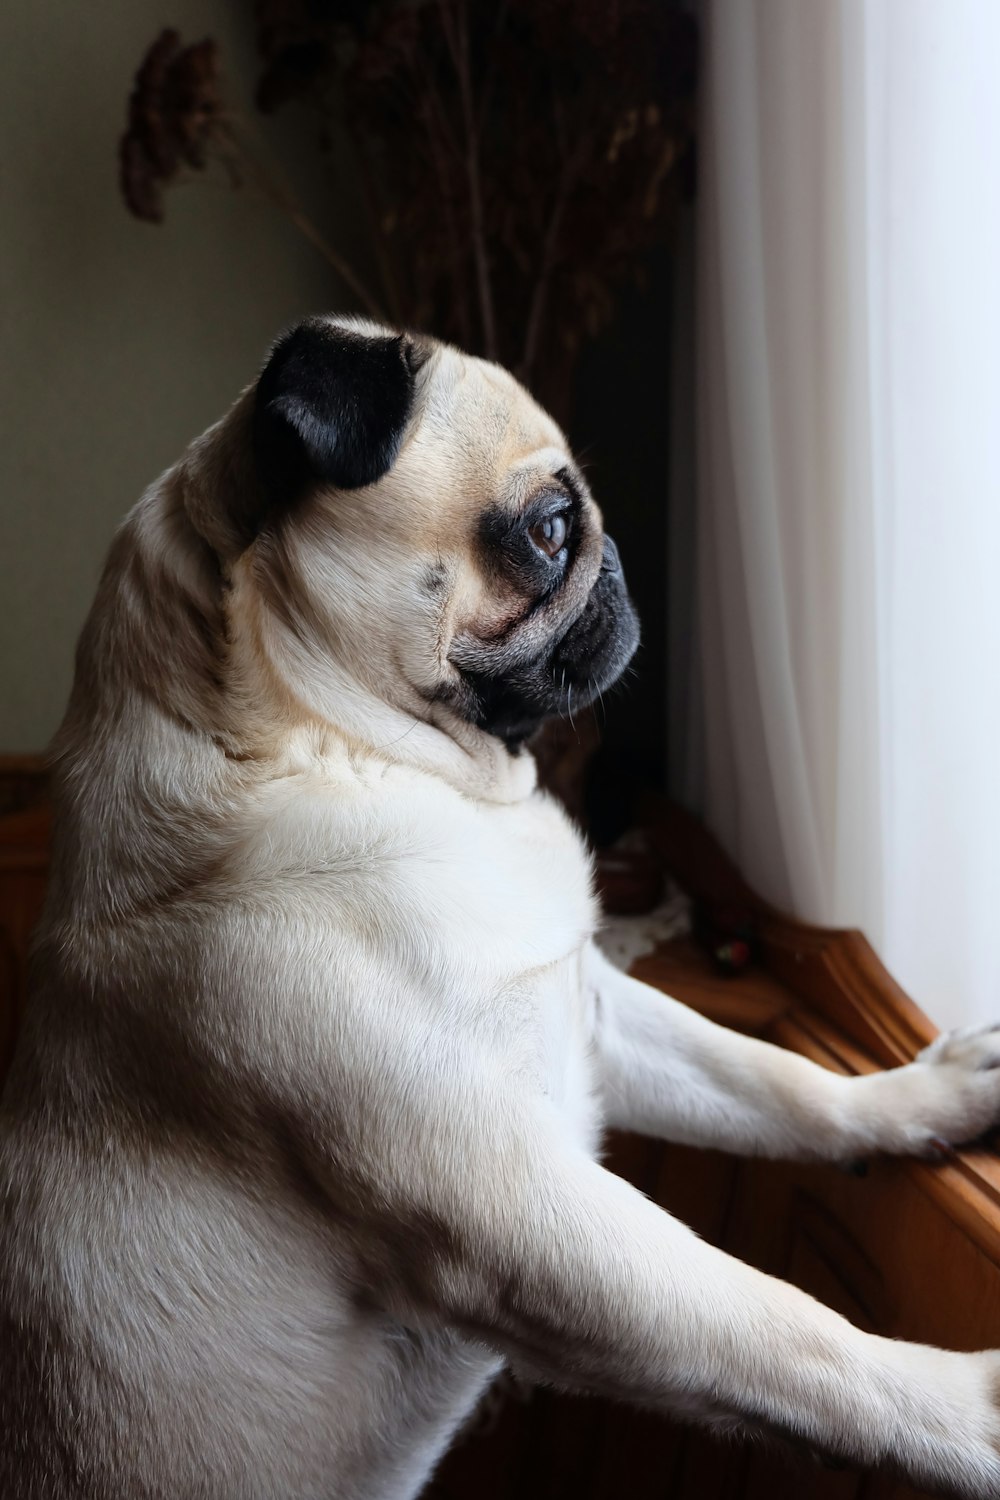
(119, 341)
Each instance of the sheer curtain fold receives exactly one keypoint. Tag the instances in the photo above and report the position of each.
(848, 459)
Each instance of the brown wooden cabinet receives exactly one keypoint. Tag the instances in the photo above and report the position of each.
(908, 1249)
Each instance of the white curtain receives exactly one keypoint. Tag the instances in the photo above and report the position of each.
(848, 457)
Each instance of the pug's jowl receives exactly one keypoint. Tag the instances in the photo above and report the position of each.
(300, 1140)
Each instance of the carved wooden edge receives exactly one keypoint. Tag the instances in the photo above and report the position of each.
(835, 970)
(849, 1014)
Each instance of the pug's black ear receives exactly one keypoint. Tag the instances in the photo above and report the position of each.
(331, 407)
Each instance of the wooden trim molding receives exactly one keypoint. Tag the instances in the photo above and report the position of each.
(843, 1009)
(836, 971)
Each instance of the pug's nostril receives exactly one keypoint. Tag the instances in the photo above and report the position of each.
(610, 561)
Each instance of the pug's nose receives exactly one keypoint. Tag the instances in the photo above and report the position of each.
(610, 561)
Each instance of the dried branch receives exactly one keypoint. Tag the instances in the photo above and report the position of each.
(572, 167)
(457, 35)
(376, 230)
(278, 190)
(490, 77)
(491, 219)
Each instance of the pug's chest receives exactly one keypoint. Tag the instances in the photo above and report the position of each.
(528, 873)
(529, 915)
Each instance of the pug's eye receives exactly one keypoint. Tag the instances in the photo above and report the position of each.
(549, 536)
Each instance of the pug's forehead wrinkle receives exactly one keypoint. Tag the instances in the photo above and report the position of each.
(481, 405)
(509, 393)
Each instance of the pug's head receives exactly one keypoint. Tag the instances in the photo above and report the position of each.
(417, 531)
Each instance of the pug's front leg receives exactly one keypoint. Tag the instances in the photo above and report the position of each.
(666, 1071)
(584, 1283)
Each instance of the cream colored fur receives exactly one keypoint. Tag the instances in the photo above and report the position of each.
(301, 1142)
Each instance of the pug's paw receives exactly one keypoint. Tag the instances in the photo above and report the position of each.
(974, 1047)
(948, 1096)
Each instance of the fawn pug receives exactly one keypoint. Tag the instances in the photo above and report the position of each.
(300, 1141)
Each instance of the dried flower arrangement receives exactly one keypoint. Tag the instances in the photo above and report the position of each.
(515, 158)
